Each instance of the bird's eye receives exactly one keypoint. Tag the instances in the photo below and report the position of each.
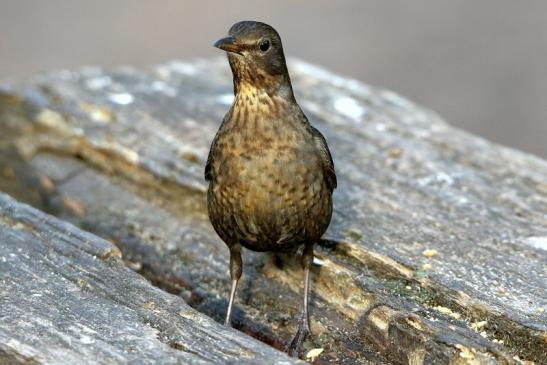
(264, 45)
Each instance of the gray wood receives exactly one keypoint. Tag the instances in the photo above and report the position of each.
(121, 154)
(67, 298)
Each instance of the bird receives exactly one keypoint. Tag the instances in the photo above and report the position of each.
(270, 172)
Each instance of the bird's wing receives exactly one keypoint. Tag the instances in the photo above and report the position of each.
(208, 166)
(326, 158)
(209, 162)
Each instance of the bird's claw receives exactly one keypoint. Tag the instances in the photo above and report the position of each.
(301, 334)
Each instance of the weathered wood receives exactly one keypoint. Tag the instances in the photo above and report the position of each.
(436, 253)
(67, 298)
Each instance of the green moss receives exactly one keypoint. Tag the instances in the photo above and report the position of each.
(354, 235)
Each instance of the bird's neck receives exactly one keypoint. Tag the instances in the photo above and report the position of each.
(252, 81)
(272, 89)
(249, 93)
(255, 108)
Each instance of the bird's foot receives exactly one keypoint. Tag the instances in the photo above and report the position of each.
(303, 332)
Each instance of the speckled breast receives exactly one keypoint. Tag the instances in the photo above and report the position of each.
(269, 197)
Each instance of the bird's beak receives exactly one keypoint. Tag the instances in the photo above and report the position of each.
(228, 44)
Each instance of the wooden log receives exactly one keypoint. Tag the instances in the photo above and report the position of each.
(67, 298)
(436, 253)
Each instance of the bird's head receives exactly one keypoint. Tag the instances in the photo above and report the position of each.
(256, 57)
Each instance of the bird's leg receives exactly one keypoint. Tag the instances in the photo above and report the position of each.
(304, 321)
(235, 273)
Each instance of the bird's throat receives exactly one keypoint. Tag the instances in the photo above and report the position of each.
(266, 91)
(250, 80)
(256, 102)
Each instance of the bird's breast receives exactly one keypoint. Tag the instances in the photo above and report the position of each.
(265, 161)
(267, 188)
(271, 188)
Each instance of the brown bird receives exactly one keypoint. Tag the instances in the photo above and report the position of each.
(270, 173)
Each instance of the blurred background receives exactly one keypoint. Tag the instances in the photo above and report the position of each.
(482, 65)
